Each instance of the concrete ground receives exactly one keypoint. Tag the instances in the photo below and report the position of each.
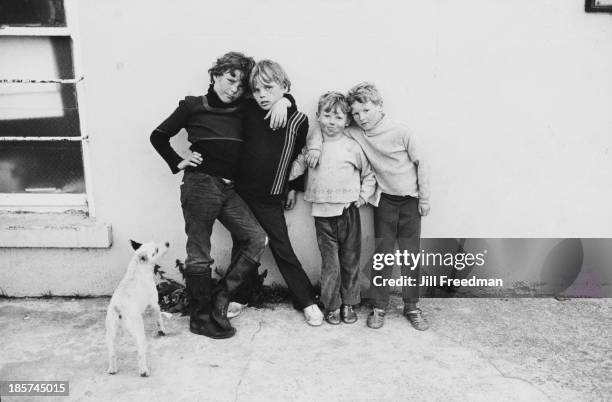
(476, 350)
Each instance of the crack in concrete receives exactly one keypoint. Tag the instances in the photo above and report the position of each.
(488, 359)
(248, 363)
(259, 327)
(504, 375)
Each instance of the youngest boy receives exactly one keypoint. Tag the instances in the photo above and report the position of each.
(342, 182)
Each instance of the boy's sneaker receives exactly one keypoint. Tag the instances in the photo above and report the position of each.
(234, 309)
(376, 319)
(416, 319)
(313, 315)
(348, 315)
(333, 317)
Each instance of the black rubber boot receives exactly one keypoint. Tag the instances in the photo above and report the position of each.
(237, 273)
(200, 322)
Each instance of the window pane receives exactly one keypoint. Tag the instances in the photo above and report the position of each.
(36, 13)
(41, 167)
(38, 110)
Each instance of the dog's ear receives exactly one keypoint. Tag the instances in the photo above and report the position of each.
(135, 245)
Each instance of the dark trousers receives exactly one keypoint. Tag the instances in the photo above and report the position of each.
(204, 199)
(270, 212)
(339, 239)
(396, 220)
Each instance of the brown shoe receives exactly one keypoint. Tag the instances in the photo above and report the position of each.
(416, 319)
(348, 315)
(333, 317)
(376, 319)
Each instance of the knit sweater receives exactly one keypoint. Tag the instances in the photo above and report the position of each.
(342, 176)
(214, 130)
(395, 156)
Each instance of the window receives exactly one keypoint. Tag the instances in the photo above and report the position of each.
(34, 13)
(598, 6)
(43, 144)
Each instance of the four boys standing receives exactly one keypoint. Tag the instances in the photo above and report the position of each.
(251, 166)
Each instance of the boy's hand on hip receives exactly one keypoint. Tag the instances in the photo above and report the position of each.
(291, 198)
(312, 157)
(278, 114)
(195, 159)
(423, 208)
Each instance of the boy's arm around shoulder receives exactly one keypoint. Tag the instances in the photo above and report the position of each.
(160, 137)
(368, 180)
(299, 166)
(315, 138)
(314, 143)
(416, 153)
(280, 111)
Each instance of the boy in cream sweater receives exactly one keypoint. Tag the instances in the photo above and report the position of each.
(341, 183)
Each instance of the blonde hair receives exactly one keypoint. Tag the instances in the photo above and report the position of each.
(267, 71)
(331, 101)
(363, 93)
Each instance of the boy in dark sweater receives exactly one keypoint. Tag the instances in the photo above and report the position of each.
(263, 181)
(214, 124)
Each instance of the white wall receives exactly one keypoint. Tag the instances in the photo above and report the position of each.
(512, 99)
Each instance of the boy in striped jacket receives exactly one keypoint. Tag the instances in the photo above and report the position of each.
(263, 182)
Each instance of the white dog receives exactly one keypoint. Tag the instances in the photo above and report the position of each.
(135, 293)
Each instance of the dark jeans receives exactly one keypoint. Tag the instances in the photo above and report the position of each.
(396, 219)
(270, 213)
(339, 239)
(204, 199)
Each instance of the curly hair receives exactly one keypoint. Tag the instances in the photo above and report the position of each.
(231, 62)
(364, 92)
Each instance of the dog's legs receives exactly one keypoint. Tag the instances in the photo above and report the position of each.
(112, 324)
(161, 331)
(135, 326)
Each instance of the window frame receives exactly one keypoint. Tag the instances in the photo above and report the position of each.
(56, 202)
(598, 6)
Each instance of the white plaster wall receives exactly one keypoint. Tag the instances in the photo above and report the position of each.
(512, 99)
